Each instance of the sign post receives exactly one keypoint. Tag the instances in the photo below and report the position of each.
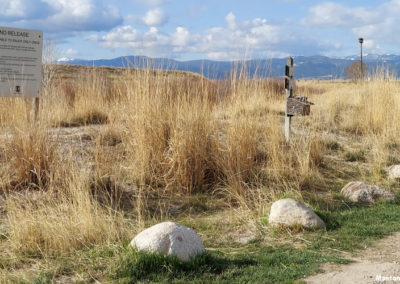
(289, 72)
(294, 105)
(21, 64)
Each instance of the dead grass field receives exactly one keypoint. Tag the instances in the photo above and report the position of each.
(115, 150)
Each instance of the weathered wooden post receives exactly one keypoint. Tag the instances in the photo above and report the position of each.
(294, 105)
(36, 105)
(289, 71)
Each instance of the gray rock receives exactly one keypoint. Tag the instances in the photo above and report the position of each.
(289, 212)
(169, 238)
(394, 172)
(362, 193)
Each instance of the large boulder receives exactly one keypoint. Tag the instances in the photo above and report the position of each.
(362, 193)
(169, 238)
(394, 172)
(289, 212)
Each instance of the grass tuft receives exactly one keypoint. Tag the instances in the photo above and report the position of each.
(135, 266)
(33, 158)
(92, 117)
(332, 145)
(355, 156)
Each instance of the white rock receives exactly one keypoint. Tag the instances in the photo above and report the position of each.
(394, 172)
(169, 238)
(360, 192)
(290, 212)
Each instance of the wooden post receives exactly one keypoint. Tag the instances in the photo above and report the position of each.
(289, 71)
(36, 104)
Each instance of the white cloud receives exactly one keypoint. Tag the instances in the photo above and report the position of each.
(370, 44)
(84, 15)
(256, 37)
(125, 34)
(154, 18)
(92, 37)
(60, 15)
(231, 21)
(338, 15)
(128, 37)
(20, 9)
(71, 51)
(377, 24)
(154, 3)
(153, 39)
(181, 37)
(13, 8)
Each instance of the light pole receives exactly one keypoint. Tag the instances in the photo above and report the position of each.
(361, 40)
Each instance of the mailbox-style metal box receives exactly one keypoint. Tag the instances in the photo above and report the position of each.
(298, 106)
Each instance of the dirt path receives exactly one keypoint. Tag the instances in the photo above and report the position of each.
(383, 259)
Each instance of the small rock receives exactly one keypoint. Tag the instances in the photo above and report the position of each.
(169, 238)
(290, 212)
(394, 172)
(362, 193)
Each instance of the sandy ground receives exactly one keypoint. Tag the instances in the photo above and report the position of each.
(383, 259)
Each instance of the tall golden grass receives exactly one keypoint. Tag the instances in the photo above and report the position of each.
(62, 221)
(171, 132)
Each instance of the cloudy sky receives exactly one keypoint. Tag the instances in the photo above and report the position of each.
(209, 29)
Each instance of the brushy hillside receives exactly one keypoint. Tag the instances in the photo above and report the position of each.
(115, 150)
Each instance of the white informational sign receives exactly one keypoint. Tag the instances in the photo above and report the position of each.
(20, 62)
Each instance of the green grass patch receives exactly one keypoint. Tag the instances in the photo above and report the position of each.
(43, 278)
(356, 227)
(355, 156)
(349, 227)
(257, 265)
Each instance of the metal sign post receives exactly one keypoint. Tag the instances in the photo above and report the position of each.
(294, 105)
(21, 64)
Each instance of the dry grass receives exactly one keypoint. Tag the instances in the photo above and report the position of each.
(62, 222)
(32, 158)
(366, 114)
(163, 134)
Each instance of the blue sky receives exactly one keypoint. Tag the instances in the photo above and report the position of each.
(209, 29)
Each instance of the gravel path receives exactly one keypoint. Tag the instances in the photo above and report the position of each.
(381, 260)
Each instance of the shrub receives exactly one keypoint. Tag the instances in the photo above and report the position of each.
(33, 157)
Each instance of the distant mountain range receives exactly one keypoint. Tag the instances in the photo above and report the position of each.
(306, 67)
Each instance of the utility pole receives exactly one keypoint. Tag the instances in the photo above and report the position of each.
(361, 40)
